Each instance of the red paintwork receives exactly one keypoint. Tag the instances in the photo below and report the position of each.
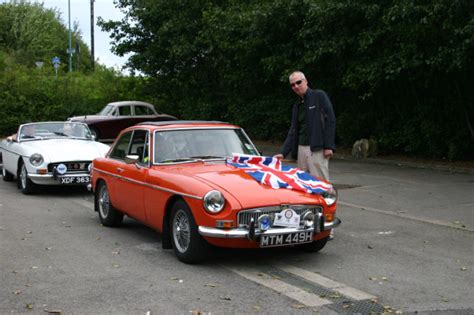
(149, 204)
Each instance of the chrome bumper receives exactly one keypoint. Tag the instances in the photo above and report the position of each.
(48, 179)
(247, 233)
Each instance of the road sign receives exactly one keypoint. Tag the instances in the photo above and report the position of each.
(56, 61)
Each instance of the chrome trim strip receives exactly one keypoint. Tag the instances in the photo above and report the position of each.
(194, 128)
(333, 224)
(146, 184)
(34, 176)
(243, 232)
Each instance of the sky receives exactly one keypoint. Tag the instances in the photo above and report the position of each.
(80, 12)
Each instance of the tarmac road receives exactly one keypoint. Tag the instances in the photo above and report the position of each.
(405, 245)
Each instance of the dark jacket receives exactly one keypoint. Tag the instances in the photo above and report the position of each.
(321, 123)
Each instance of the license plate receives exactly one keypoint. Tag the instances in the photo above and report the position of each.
(286, 239)
(74, 180)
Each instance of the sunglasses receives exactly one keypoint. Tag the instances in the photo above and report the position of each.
(296, 83)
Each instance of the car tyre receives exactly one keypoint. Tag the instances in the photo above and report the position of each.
(24, 182)
(6, 175)
(188, 244)
(108, 215)
(315, 246)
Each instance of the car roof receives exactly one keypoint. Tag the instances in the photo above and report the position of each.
(124, 103)
(186, 123)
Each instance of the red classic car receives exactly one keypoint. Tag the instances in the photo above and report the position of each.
(200, 183)
(116, 116)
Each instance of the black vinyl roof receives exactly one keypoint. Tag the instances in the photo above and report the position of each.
(180, 122)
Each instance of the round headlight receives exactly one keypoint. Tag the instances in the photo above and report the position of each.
(330, 196)
(36, 159)
(214, 201)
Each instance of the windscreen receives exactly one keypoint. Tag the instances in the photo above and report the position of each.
(176, 145)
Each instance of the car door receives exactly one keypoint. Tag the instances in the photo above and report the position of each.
(123, 119)
(143, 113)
(131, 178)
(10, 155)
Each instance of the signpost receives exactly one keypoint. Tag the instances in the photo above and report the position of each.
(56, 62)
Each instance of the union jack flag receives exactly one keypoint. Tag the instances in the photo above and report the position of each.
(270, 171)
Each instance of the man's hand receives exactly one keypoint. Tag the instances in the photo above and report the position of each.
(278, 156)
(328, 153)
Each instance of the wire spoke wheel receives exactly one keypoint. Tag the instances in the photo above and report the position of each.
(188, 245)
(23, 176)
(181, 231)
(104, 202)
(108, 215)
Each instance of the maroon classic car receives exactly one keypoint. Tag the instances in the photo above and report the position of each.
(114, 117)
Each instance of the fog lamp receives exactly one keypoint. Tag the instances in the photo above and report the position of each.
(308, 219)
(264, 222)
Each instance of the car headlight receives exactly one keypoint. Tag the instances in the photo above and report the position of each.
(36, 159)
(214, 201)
(330, 196)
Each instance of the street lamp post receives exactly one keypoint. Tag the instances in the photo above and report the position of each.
(92, 36)
(70, 39)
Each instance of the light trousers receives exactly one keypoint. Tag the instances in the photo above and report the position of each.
(313, 162)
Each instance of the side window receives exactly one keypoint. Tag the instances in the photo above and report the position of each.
(121, 147)
(125, 111)
(145, 158)
(142, 110)
(137, 145)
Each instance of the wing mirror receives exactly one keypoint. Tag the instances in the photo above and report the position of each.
(131, 159)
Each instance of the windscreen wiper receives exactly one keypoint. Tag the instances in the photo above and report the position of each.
(204, 157)
(177, 160)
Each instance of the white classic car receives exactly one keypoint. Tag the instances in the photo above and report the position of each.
(50, 153)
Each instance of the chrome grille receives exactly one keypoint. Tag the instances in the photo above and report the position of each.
(72, 166)
(244, 216)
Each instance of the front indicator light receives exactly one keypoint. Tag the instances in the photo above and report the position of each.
(329, 217)
(42, 171)
(224, 224)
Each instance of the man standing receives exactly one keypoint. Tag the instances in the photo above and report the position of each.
(313, 128)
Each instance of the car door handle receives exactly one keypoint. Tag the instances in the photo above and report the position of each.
(120, 170)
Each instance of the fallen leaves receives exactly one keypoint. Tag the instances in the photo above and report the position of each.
(298, 306)
(459, 224)
(177, 279)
